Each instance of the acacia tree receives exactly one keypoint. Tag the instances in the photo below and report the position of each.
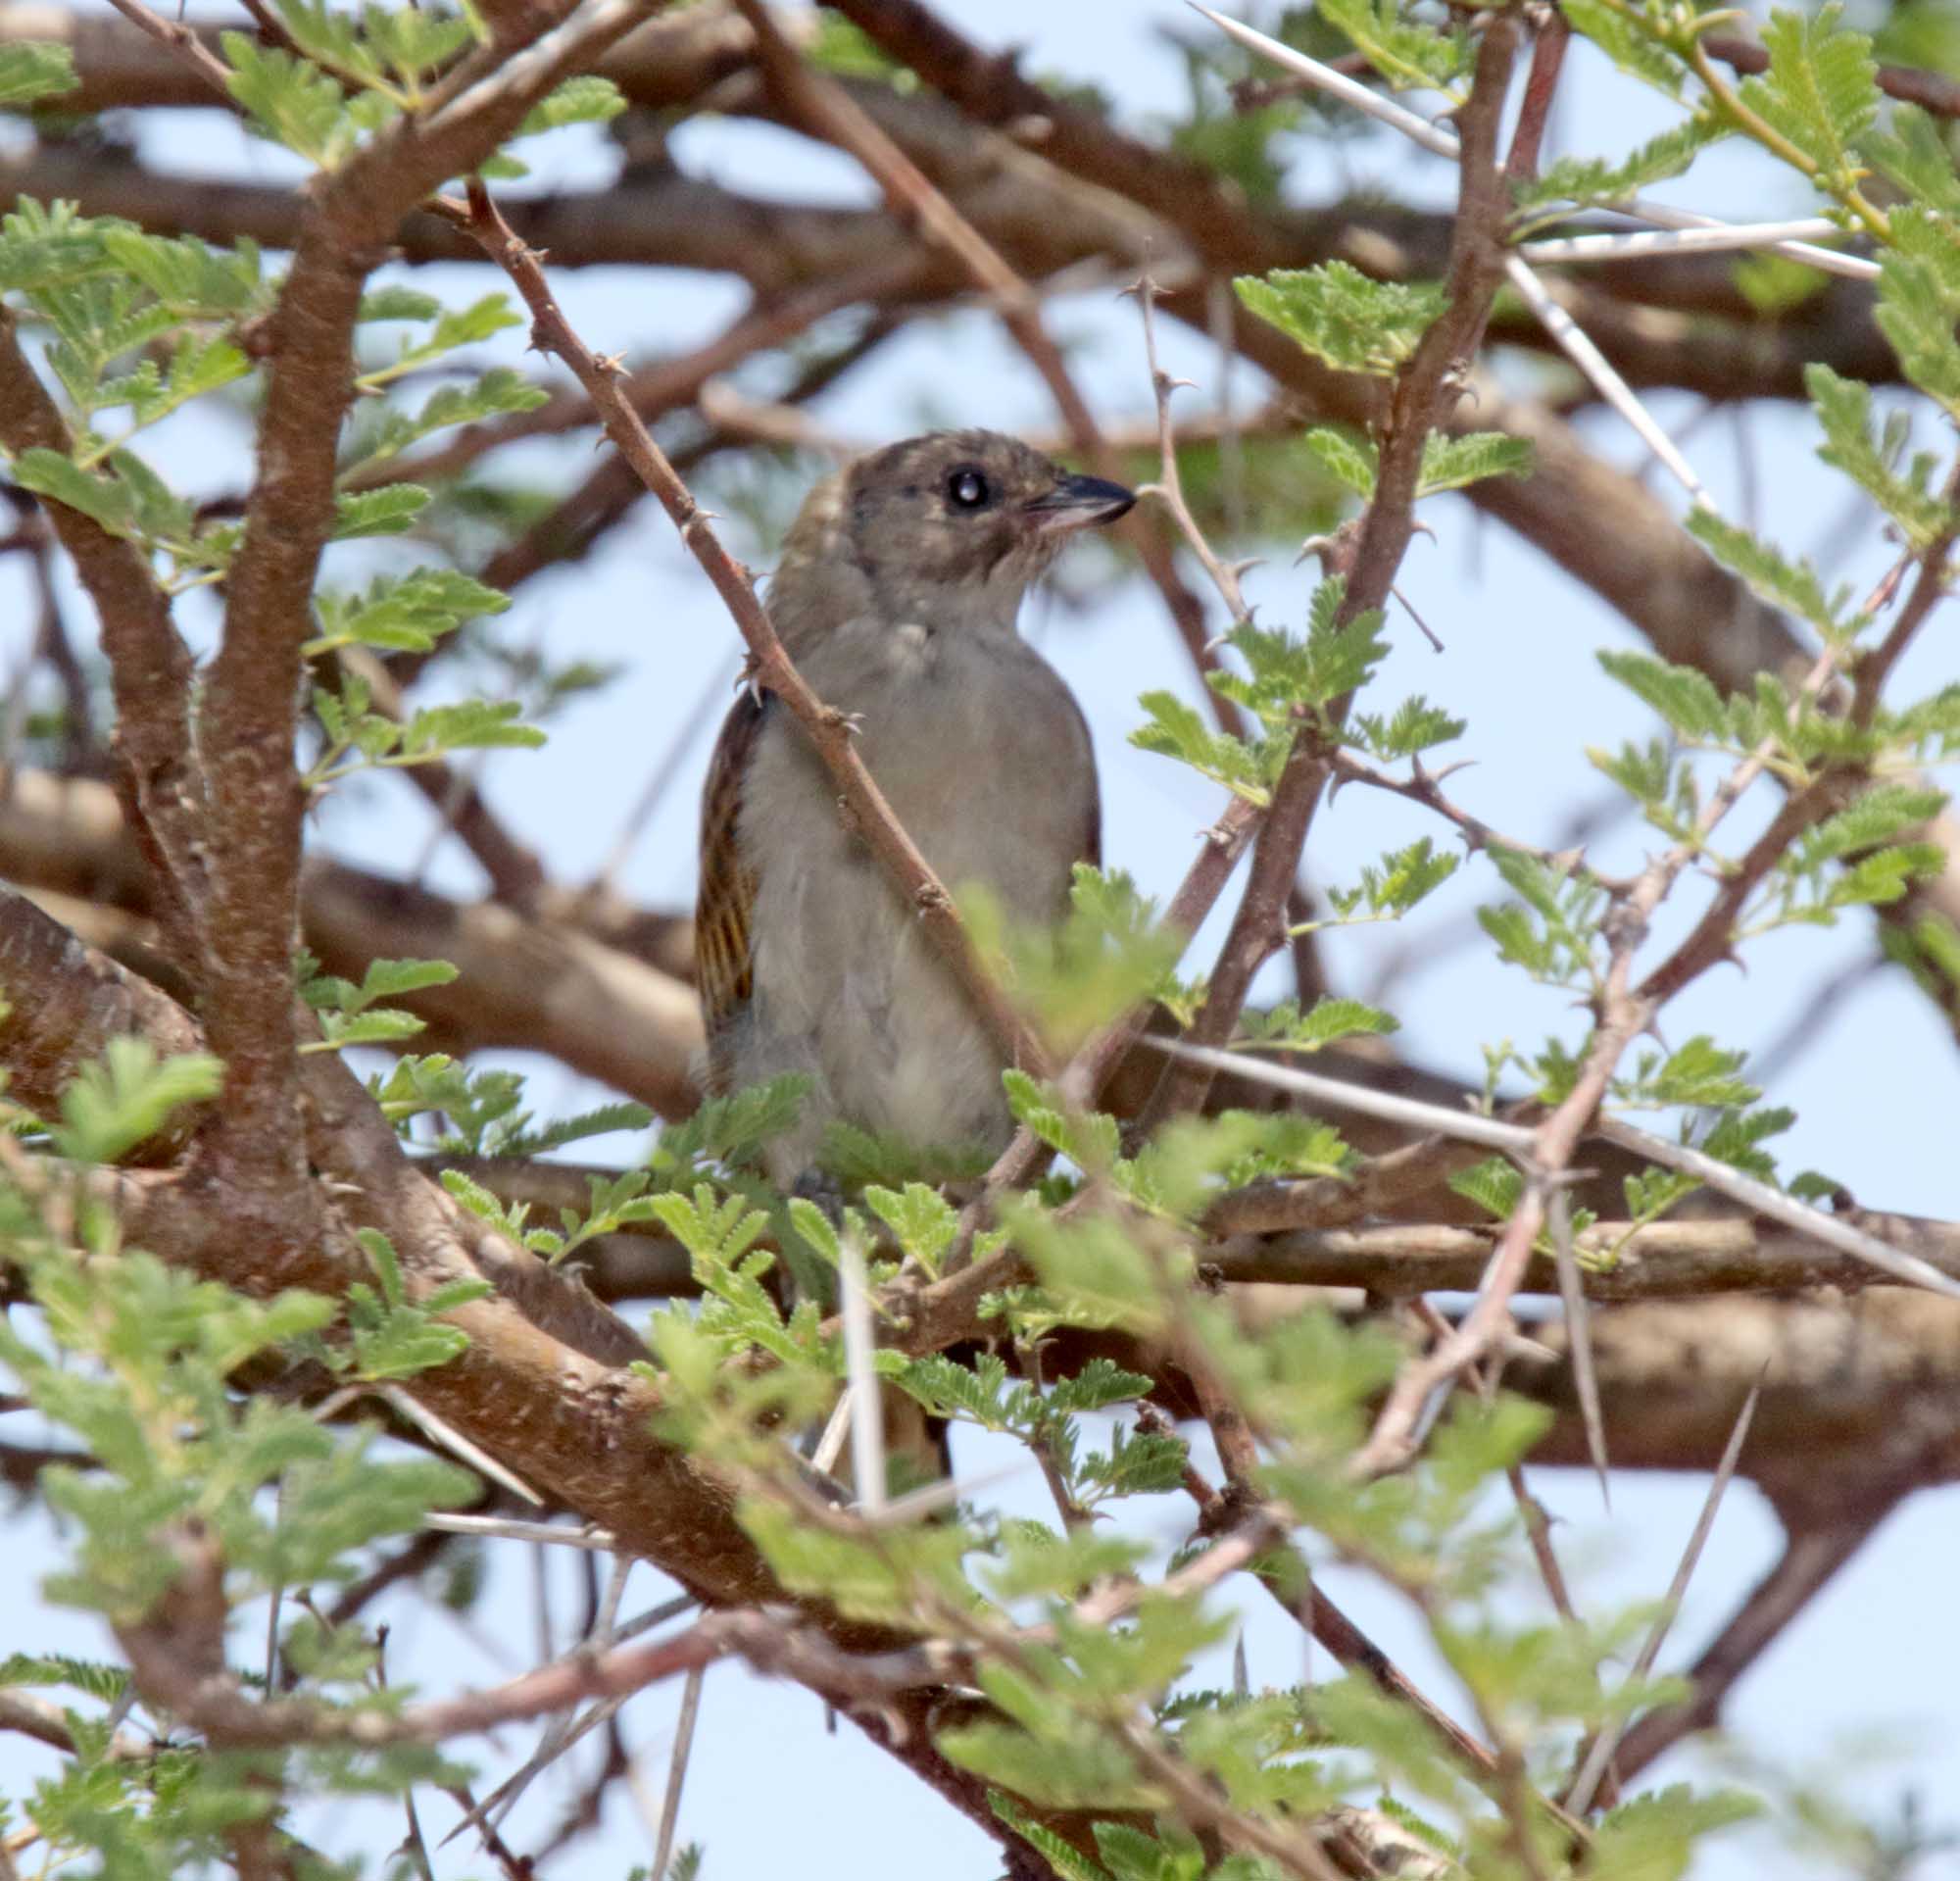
(275, 1280)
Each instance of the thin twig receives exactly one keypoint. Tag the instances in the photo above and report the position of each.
(683, 1747)
(828, 731)
(1579, 1797)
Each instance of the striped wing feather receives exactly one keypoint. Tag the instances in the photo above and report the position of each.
(723, 964)
(727, 895)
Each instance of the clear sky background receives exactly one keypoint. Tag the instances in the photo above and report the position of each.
(1875, 1662)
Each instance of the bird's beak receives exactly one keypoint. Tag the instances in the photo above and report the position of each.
(1079, 503)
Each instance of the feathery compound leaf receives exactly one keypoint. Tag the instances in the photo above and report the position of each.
(1414, 726)
(294, 103)
(1914, 154)
(924, 1223)
(1451, 463)
(1494, 1185)
(585, 100)
(409, 613)
(391, 979)
(1100, 1383)
(53, 1669)
(192, 280)
(1331, 1020)
(49, 245)
(1793, 586)
(1878, 816)
(472, 724)
(390, 511)
(1919, 292)
(1701, 1073)
(1408, 54)
(1586, 180)
(1349, 458)
(1821, 90)
(1342, 318)
(1177, 729)
(1626, 43)
(112, 1104)
(34, 69)
(1289, 675)
(105, 499)
(1686, 697)
(499, 392)
(1844, 407)
(1404, 878)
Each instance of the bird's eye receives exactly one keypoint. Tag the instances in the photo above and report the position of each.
(967, 489)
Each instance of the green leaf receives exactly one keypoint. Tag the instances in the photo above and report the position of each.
(127, 1095)
(190, 279)
(381, 1026)
(1342, 318)
(1404, 878)
(1682, 695)
(1289, 676)
(391, 979)
(31, 70)
(1409, 53)
(1775, 286)
(391, 510)
(1701, 1073)
(294, 103)
(1587, 180)
(1494, 1185)
(1624, 40)
(817, 1229)
(1843, 407)
(1656, 1834)
(1821, 90)
(585, 100)
(1415, 725)
(1794, 586)
(1736, 1133)
(602, 1120)
(923, 1221)
(1178, 729)
(472, 724)
(49, 474)
(1452, 463)
(53, 1669)
(408, 613)
(45, 246)
(1919, 291)
(1348, 458)
(1884, 813)
(495, 393)
(1330, 1020)
(392, 301)
(1914, 154)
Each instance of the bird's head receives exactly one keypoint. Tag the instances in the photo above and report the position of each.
(947, 529)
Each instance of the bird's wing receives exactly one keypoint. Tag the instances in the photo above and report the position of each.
(727, 895)
(1092, 835)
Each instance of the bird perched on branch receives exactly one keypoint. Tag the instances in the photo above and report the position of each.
(897, 599)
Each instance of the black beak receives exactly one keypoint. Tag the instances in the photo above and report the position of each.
(1080, 503)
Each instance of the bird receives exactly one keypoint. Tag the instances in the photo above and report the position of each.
(897, 598)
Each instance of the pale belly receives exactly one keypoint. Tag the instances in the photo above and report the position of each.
(989, 769)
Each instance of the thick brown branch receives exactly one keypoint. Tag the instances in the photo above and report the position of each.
(65, 1003)
(249, 714)
(150, 667)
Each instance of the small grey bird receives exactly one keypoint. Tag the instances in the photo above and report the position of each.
(897, 598)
